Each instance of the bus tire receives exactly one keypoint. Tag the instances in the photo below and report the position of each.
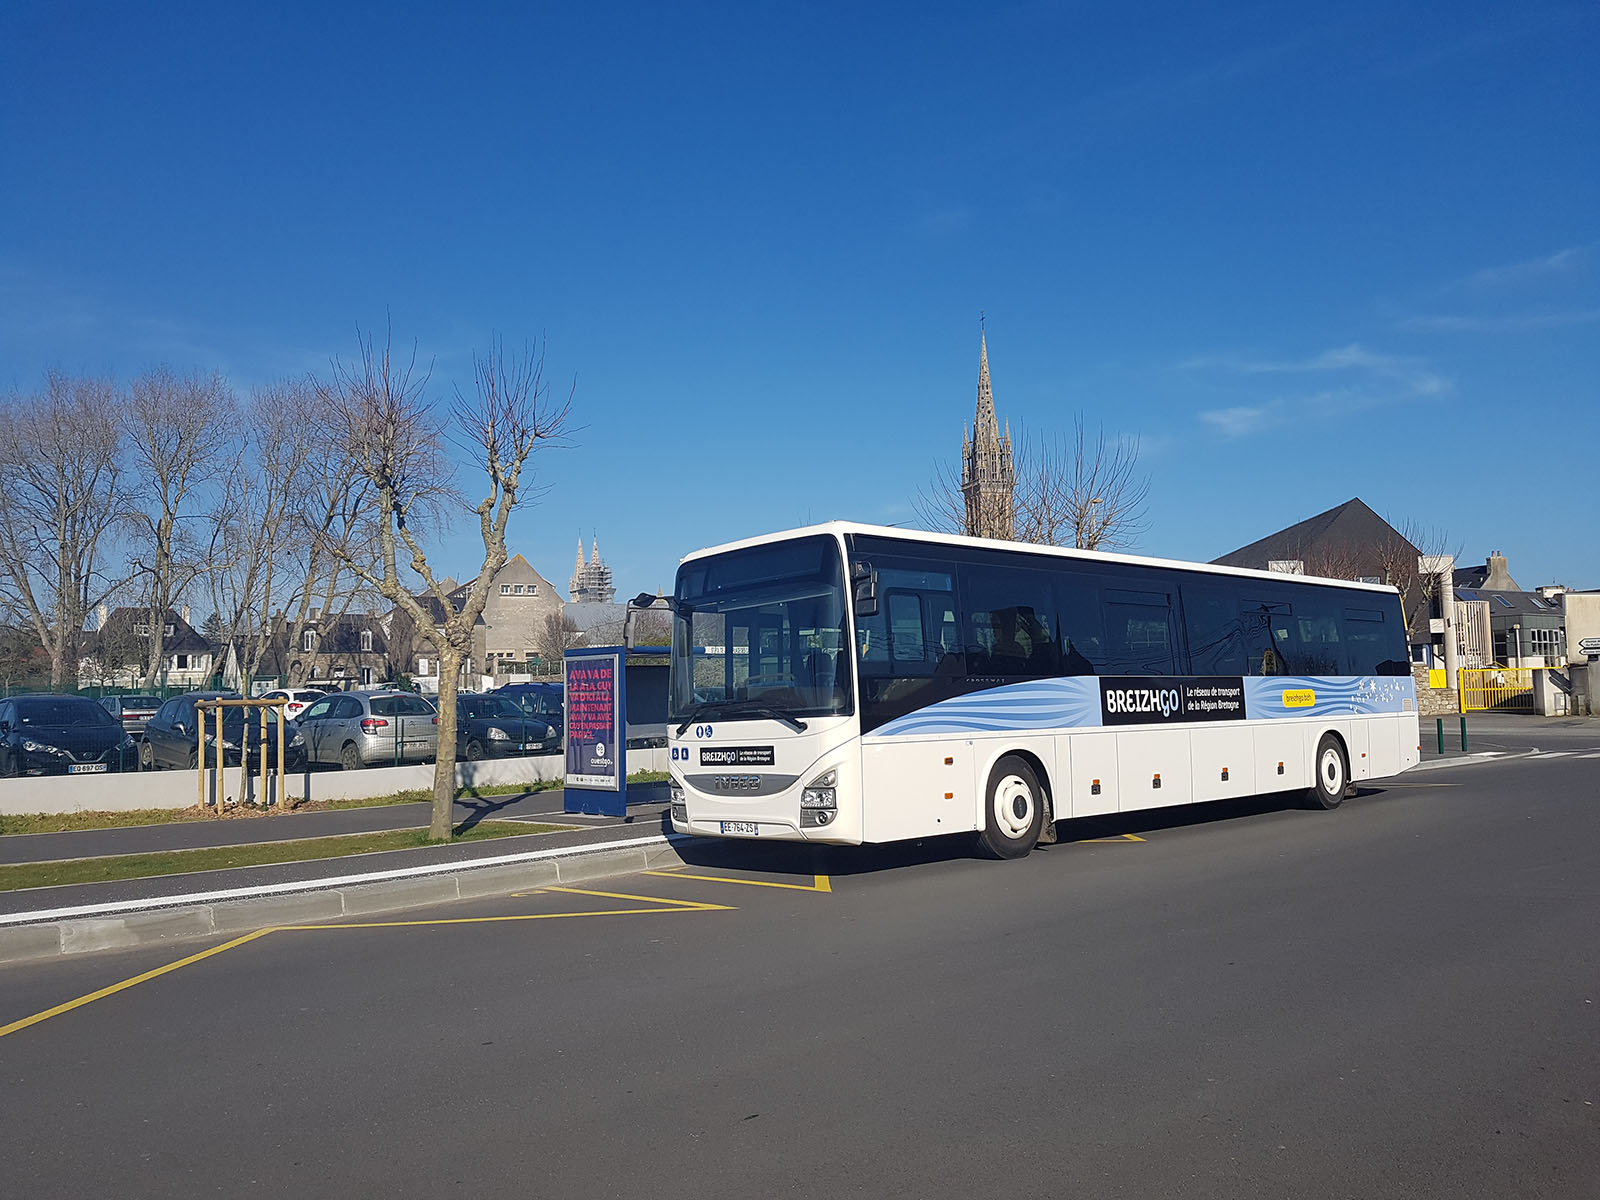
(1013, 810)
(1331, 775)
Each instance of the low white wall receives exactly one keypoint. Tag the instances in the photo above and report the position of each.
(177, 789)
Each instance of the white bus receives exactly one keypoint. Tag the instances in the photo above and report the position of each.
(849, 683)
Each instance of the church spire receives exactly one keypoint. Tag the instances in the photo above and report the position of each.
(988, 474)
(985, 427)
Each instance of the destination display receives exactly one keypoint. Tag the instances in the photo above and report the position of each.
(1157, 699)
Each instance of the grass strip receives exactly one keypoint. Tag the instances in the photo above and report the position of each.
(72, 822)
(179, 862)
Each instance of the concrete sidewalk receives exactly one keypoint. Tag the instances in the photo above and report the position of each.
(646, 816)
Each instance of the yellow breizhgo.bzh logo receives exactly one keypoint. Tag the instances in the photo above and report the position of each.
(1299, 698)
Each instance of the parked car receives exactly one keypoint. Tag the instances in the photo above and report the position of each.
(544, 700)
(494, 726)
(172, 736)
(368, 729)
(299, 699)
(61, 735)
(133, 711)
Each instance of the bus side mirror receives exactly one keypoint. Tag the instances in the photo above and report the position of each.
(864, 582)
(640, 603)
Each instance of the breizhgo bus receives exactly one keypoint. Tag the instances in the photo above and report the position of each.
(848, 683)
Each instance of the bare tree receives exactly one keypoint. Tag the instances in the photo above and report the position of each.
(61, 496)
(397, 439)
(179, 429)
(1083, 490)
(559, 634)
(1397, 561)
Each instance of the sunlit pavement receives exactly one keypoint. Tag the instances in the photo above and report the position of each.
(1398, 998)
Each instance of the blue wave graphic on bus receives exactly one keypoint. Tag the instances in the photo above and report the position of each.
(1037, 704)
(1320, 696)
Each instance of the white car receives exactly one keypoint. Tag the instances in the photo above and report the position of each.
(299, 699)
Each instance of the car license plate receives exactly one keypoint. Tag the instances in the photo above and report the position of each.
(85, 768)
(743, 828)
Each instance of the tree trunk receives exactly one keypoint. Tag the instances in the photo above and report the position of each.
(444, 767)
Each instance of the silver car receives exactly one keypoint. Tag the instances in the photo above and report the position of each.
(368, 729)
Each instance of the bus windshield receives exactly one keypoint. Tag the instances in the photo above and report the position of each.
(761, 632)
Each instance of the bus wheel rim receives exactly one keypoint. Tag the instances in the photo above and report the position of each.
(1013, 806)
(1332, 771)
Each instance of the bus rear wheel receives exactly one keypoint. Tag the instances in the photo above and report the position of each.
(1013, 810)
(1332, 775)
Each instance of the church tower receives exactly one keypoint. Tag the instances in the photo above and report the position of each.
(988, 475)
(591, 581)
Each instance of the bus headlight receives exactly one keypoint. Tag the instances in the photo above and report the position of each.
(680, 812)
(821, 792)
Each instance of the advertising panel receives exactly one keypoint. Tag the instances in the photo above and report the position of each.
(596, 753)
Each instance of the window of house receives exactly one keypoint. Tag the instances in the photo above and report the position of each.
(366, 639)
(171, 629)
(308, 641)
(1544, 641)
(517, 589)
(142, 629)
(533, 589)
(181, 661)
(505, 589)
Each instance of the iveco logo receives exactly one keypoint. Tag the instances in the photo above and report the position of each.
(736, 783)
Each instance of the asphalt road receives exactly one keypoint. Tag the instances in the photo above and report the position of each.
(1401, 998)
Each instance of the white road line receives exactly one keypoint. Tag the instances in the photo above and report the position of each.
(304, 885)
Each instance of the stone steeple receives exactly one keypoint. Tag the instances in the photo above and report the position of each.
(988, 474)
(591, 581)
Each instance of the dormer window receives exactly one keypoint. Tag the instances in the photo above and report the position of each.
(366, 639)
(308, 641)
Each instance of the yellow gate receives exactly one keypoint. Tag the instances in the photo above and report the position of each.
(1497, 689)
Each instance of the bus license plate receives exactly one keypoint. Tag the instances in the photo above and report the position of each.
(85, 768)
(745, 828)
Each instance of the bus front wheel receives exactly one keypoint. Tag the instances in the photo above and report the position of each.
(1332, 775)
(1013, 811)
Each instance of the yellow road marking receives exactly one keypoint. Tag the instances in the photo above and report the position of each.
(127, 983)
(663, 905)
(1121, 837)
(626, 896)
(819, 883)
(606, 912)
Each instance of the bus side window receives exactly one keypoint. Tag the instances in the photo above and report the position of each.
(1139, 634)
(1011, 622)
(908, 637)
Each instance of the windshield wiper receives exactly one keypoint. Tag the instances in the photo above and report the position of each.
(739, 708)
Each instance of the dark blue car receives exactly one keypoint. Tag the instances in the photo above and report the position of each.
(61, 735)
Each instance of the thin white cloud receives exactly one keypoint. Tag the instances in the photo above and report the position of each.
(1560, 263)
(1243, 420)
(1512, 323)
(1364, 379)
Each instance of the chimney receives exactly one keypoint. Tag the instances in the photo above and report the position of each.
(185, 614)
(1498, 578)
(316, 614)
(103, 614)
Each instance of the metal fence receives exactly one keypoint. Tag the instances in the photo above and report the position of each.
(1497, 689)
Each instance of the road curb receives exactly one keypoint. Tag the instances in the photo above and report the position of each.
(175, 920)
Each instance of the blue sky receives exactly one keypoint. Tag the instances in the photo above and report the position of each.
(1303, 253)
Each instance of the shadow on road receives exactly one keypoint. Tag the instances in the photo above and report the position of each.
(792, 858)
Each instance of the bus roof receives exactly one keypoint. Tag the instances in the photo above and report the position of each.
(839, 528)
